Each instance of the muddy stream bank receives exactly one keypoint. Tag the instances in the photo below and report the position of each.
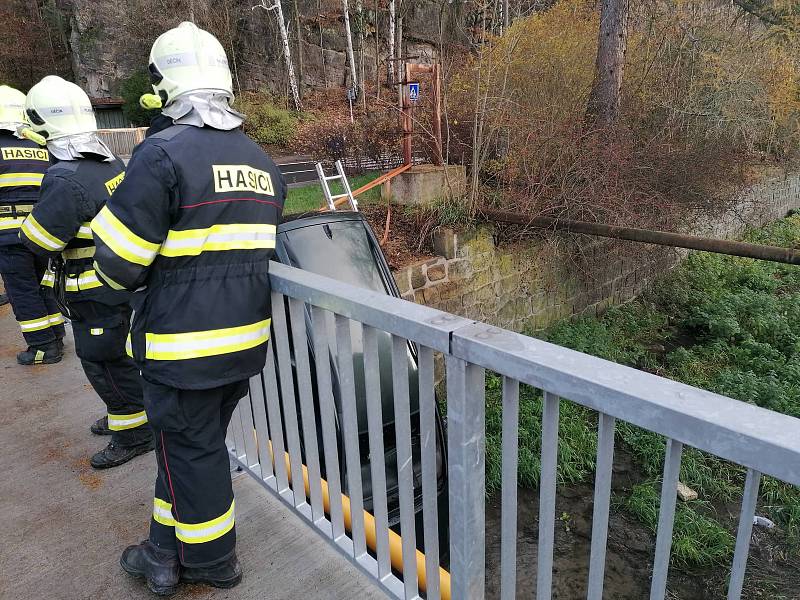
(771, 572)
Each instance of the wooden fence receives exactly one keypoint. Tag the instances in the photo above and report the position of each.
(122, 141)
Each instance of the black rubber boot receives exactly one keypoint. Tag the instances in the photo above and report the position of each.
(3, 299)
(100, 427)
(160, 569)
(116, 454)
(42, 355)
(224, 575)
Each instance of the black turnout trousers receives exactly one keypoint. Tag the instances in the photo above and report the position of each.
(34, 305)
(193, 507)
(100, 332)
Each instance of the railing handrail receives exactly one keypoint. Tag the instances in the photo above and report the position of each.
(758, 438)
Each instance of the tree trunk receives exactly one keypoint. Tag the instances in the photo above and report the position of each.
(377, 52)
(321, 43)
(399, 47)
(506, 15)
(390, 62)
(401, 65)
(299, 34)
(604, 99)
(278, 8)
(361, 38)
(350, 54)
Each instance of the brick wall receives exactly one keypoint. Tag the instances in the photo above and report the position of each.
(523, 287)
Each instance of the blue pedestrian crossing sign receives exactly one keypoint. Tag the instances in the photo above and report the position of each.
(413, 92)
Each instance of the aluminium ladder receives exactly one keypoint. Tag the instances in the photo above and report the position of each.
(331, 199)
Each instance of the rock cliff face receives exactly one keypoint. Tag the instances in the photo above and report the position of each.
(110, 40)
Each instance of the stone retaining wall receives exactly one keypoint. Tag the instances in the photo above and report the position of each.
(523, 287)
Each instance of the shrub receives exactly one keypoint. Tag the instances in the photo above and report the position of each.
(131, 90)
(267, 123)
(373, 136)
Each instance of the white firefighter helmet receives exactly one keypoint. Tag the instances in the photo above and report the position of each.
(187, 58)
(12, 108)
(57, 108)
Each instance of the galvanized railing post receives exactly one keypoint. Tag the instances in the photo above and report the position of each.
(547, 496)
(466, 443)
(666, 518)
(510, 446)
(749, 500)
(602, 505)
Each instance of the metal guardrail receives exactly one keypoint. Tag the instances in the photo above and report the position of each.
(764, 442)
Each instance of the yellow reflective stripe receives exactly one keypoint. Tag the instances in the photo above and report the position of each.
(197, 344)
(11, 222)
(56, 319)
(32, 325)
(128, 346)
(197, 533)
(85, 231)
(234, 236)
(114, 285)
(120, 422)
(162, 512)
(16, 179)
(21, 209)
(38, 357)
(121, 240)
(78, 253)
(40, 236)
(49, 278)
(85, 281)
(96, 331)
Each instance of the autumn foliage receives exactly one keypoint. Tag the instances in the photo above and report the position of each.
(707, 92)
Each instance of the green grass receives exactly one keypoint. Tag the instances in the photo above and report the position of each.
(576, 452)
(730, 325)
(698, 539)
(309, 197)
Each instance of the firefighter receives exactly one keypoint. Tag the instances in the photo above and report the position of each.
(83, 177)
(22, 167)
(191, 230)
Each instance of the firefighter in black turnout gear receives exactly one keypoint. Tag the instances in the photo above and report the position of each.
(192, 229)
(73, 191)
(25, 276)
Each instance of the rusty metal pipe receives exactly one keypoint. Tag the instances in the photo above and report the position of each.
(649, 236)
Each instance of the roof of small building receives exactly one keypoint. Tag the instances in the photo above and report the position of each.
(108, 102)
